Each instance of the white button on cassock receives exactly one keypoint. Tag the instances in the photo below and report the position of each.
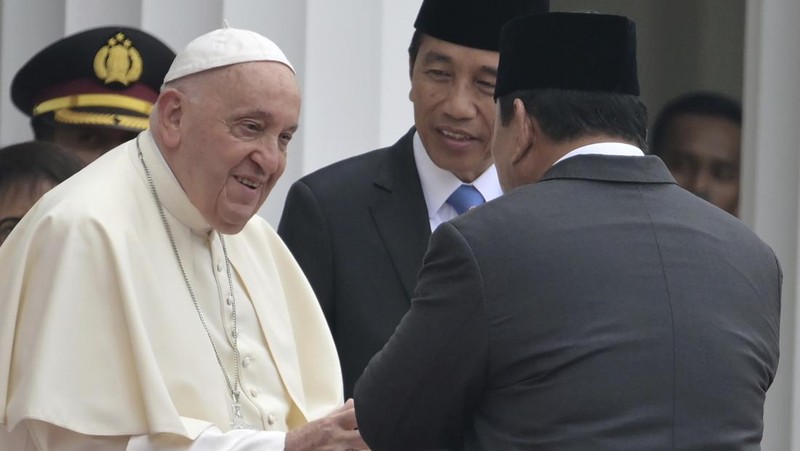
(246, 361)
(270, 419)
(254, 393)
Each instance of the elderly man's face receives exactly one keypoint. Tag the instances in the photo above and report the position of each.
(234, 136)
(452, 88)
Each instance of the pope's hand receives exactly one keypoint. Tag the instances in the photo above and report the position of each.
(338, 431)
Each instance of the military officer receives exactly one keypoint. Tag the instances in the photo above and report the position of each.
(92, 90)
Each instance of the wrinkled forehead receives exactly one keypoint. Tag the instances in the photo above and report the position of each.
(266, 90)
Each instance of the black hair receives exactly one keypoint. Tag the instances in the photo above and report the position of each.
(413, 49)
(32, 161)
(701, 103)
(570, 114)
(43, 129)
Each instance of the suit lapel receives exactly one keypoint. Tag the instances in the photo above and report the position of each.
(400, 212)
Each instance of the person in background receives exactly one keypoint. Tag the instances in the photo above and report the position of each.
(27, 171)
(596, 305)
(698, 135)
(359, 228)
(143, 303)
(93, 90)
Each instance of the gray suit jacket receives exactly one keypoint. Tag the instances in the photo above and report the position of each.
(359, 229)
(603, 308)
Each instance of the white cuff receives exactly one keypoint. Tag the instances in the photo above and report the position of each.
(213, 439)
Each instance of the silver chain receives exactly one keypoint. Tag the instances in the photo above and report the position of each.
(234, 388)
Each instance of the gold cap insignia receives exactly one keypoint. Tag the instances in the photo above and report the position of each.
(118, 61)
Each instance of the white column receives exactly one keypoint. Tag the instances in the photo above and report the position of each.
(176, 22)
(770, 189)
(24, 30)
(84, 14)
(342, 80)
(396, 110)
(354, 77)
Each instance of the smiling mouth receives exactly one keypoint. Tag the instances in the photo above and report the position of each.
(252, 184)
(455, 135)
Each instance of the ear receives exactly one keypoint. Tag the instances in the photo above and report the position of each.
(410, 77)
(525, 137)
(169, 112)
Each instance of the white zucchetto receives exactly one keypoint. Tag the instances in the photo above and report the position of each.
(223, 47)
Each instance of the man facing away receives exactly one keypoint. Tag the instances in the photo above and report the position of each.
(144, 306)
(93, 90)
(596, 305)
(359, 228)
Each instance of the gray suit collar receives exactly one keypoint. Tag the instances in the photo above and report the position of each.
(647, 169)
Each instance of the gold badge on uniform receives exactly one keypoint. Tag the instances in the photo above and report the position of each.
(118, 61)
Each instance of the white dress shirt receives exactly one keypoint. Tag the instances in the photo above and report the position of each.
(609, 148)
(438, 184)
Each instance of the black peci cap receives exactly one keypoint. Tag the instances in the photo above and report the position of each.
(107, 77)
(473, 23)
(575, 51)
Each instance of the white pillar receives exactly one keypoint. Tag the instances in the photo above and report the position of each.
(396, 111)
(176, 22)
(770, 188)
(24, 31)
(354, 77)
(84, 14)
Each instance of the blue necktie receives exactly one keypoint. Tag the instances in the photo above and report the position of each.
(464, 198)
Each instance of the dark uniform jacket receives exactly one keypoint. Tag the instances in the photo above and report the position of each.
(603, 308)
(359, 229)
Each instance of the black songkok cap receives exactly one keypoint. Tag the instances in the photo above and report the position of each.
(473, 23)
(106, 77)
(575, 51)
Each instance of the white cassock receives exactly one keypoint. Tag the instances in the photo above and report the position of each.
(99, 336)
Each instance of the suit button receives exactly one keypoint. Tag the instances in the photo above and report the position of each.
(254, 393)
(270, 419)
(246, 361)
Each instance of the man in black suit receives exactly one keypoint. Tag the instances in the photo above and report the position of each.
(596, 305)
(359, 228)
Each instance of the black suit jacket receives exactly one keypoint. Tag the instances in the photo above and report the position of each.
(603, 308)
(359, 229)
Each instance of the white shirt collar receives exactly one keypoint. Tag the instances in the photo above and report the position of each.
(609, 148)
(438, 184)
